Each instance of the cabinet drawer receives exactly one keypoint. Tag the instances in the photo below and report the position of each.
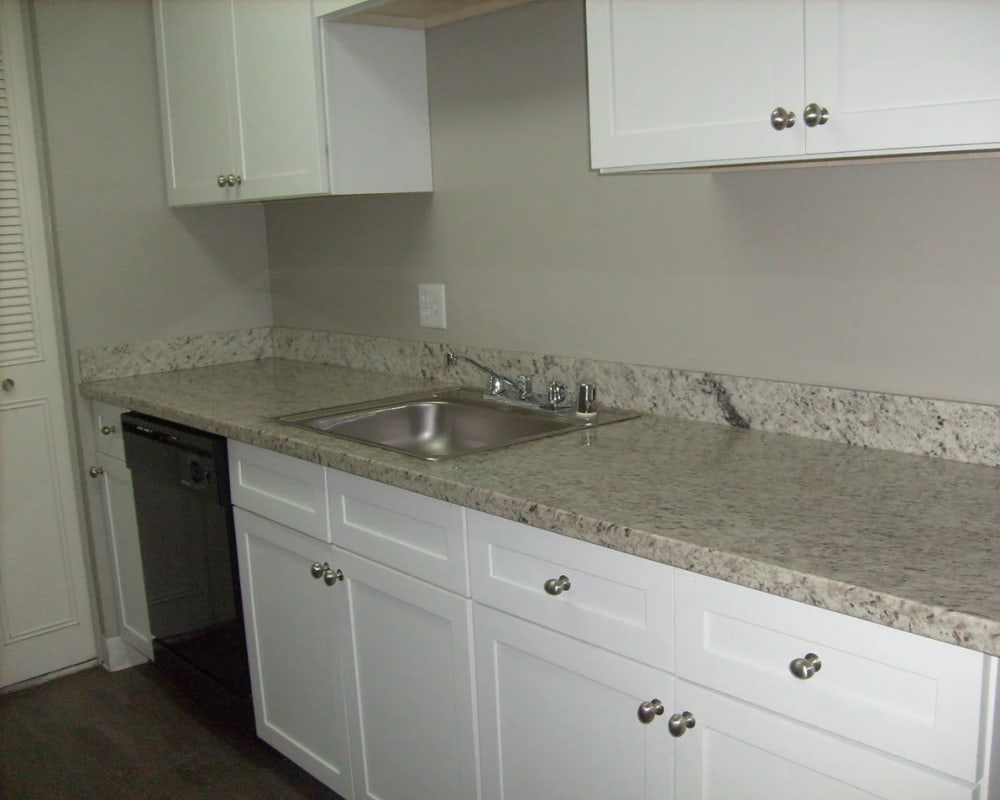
(907, 695)
(616, 601)
(108, 430)
(418, 535)
(281, 488)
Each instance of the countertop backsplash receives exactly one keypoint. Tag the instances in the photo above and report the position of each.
(964, 432)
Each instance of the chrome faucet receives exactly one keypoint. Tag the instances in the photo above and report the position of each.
(498, 383)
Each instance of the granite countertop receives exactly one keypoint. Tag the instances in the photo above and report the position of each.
(903, 540)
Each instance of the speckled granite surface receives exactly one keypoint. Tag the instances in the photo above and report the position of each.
(956, 431)
(907, 541)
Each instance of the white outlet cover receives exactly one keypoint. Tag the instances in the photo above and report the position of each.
(431, 301)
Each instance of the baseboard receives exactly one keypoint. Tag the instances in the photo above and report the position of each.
(118, 655)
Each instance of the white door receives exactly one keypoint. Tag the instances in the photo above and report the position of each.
(45, 615)
(683, 82)
(412, 707)
(903, 74)
(281, 142)
(559, 719)
(123, 533)
(296, 623)
(735, 750)
(194, 42)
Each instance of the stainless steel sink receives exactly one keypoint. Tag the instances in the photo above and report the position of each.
(445, 424)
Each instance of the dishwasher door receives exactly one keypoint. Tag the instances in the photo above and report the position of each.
(188, 545)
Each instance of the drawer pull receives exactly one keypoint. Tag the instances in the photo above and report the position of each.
(107, 430)
(650, 710)
(805, 668)
(677, 724)
(317, 570)
(558, 585)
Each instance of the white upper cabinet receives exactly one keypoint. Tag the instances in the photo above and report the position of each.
(681, 83)
(262, 100)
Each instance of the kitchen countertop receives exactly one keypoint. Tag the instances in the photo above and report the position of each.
(906, 541)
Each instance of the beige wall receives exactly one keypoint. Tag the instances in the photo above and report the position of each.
(882, 277)
(130, 268)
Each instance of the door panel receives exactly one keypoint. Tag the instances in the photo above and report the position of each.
(45, 615)
(903, 74)
(558, 717)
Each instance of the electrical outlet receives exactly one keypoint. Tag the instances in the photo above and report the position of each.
(431, 299)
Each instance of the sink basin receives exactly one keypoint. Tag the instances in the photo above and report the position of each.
(445, 424)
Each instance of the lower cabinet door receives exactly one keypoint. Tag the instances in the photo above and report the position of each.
(123, 536)
(560, 719)
(412, 703)
(736, 750)
(297, 624)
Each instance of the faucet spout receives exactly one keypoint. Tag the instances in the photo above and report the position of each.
(498, 382)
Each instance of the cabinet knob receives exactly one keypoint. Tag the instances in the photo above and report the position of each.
(814, 114)
(234, 180)
(7, 385)
(782, 118)
(95, 472)
(677, 724)
(650, 710)
(317, 570)
(558, 585)
(804, 668)
(331, 576)
(107, 430)
(221, 180)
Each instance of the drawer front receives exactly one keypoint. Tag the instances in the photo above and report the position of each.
(287, 490)
(421, 536)
(108, 430)
(907, 695)
(616, 601)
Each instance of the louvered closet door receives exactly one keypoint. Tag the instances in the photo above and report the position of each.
(45, 618)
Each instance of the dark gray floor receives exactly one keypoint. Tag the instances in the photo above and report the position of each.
(131, 734)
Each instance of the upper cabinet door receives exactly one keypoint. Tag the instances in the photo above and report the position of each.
(903, 75)
(281, 132)
(194, 42)
(691, 81)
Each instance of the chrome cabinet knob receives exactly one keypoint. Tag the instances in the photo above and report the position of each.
(677, 724)
(107, 430)
(317, 570)
(650, 710)
(234, 180)
(558, 585)
(7, 385)
(814, 114)
(782, 118)
(95, 472)
(221, 180)
(804, 668)
(331, 576)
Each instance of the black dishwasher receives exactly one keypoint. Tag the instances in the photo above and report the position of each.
(180, 479)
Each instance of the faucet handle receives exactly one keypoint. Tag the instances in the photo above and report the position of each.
(494, 386)
(556, 393)
(523, 387)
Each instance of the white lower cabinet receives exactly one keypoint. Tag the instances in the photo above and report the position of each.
(297, 629)
(361, 674)
(596, 674)
(123, 533)
(558, 717)
(122, 529)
